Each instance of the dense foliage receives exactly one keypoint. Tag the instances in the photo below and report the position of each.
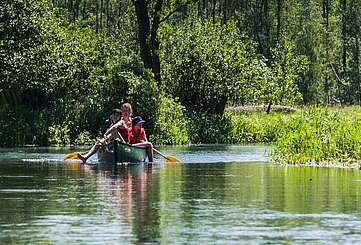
(65, 64)
(211, 65)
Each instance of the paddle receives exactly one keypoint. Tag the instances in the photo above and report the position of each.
(72, 156)
(167, 158)
(75, 155)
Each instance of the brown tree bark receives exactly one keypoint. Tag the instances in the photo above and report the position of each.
(327, 47)
(101, 14)
(214, 11)
(141, 10)
(357, 62)
(155, 42)
(147, 35)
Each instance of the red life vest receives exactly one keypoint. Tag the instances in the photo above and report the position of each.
(125, 133)
(137, 137)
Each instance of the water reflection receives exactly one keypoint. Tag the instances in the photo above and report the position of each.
(75, 198)
(134, 188)
(188, 203)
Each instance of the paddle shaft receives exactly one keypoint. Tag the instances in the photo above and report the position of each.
(160, 153)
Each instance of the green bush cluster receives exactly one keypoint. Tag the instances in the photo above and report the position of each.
(82, 74)
(59, 134)
(210, 65)
(171, 125)
(209, 128)
(320, 135)
(255, 128)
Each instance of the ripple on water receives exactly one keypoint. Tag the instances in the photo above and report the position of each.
(23, 190)
(16, 176)
(89, 229)
(216, 222)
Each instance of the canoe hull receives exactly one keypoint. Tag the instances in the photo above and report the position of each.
(117, 152)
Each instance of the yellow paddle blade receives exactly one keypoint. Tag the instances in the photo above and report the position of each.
(72, 156)
(171, 159)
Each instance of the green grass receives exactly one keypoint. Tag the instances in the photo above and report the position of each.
(320, 135)
(309, 135)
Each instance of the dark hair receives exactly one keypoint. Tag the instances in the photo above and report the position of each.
(115, 111)
(109, 121)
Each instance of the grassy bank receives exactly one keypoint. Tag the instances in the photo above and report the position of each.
(322, 136)
(316, 135)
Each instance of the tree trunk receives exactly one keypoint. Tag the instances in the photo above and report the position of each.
(119, 13)
(97, 17)
(214, 12)
(141, 10)
(101, 15)
(155, 42)
(76, 9)
(326, 19)
(204, 8)
(267, 27)
(147, 36)
(357, 65)
(268, 109)
(84, 11)
(108, 17)
(224, 17)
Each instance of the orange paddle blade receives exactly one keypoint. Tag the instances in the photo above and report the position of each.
(72, 156)
(171, 159)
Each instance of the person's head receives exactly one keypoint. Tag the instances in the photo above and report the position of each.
(137, 122)
(127, 109)
(115, 116)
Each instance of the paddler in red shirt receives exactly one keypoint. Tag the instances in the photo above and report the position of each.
(138, 137)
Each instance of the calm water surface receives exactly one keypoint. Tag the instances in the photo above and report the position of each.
(218, 195)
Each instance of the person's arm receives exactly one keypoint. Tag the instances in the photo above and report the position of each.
(145, 137)
(119, 124)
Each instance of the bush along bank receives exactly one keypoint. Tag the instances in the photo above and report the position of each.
(320, 136)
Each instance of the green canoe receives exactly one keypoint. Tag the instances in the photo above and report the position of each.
(117, 152)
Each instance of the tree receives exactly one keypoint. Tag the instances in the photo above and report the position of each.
(211, 65)
(148, 25)
(288, 67)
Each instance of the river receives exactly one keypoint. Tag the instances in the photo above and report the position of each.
(225, 194)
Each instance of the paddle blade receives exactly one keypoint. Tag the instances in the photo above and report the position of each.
(72, 156)
(171, 159)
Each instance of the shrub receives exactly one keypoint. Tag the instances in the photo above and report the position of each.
(171, 125)
(209, 128)
(59, 134)
(210, 65)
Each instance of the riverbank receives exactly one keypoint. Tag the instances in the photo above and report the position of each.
(300, 136)
(322, 136)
